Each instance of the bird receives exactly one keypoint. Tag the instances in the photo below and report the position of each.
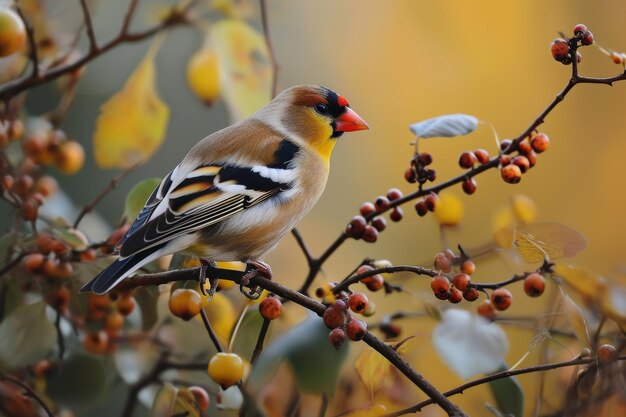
(238, 191)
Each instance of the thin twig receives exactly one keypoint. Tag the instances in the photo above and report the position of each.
(305, 250)
(110, 187)
(493, 377)
(385, 270)
(258, 348)
(32, 44)
(93, 44)
(60, 340)
(209, 329)
(270, 47)
(29, 392)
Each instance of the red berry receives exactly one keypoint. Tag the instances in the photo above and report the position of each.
(431, 201)
(469, 186)
(391, 330)
(431, 174)
(356, 329)
(559, 49)
(425, 158)
(441, 287)
(617, 58)
(34, 262)
(471, 294)
(374, 283)
(461, 281)
(467, 160)
(394, 194)
(270, 308)
(540, 142)
(396, 214)
(455, 296)
(501, 299)
(511, 174)
(482, 156)
(364, 268)
(607, 354)
(356, 227)
(201, 397)
(335, 315)
(421, 209)
(579, 28)
(524, 147)
(505, 160)
(579, 57)
(358, 302)
(532, 158)
(379, 223)
(381, 203)
(505, 143)
(522, 162)
(367, 208)
(337, 337)
(534, 285)
(370, 235)
(410, 175)
(587, 38)
(442, 263)
(486, 310)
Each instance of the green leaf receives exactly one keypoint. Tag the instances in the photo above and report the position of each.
(137, 197)
(147, 298)
(248, 333)
(26, 336)
(508, 395)
(6, 243)
(314, 361)
(495, 411)
(79, 382)
(13, 297)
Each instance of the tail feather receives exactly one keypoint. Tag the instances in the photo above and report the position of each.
(114, 273)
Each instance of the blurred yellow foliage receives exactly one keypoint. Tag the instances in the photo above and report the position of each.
(449, 209)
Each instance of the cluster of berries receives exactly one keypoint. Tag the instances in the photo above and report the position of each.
(418, 172)
(358, 228)
(562, 49)
(512, 167)
(105, 318)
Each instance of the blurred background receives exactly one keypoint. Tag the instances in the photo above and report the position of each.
(399, 62)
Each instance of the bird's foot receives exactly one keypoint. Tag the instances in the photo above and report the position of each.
(258, 269)
(205, 264)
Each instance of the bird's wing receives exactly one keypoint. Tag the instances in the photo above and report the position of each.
(208, 194)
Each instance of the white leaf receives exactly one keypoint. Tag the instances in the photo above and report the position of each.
(448, 125)
(230, 398)
(469, 344)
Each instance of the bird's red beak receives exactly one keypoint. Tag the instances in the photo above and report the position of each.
(349, 121)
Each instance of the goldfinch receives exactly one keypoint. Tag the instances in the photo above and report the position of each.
(241, 189)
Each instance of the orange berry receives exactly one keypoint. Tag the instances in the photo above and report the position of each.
(125, 305)
(270, 308)
(367, 208)
(455, 296)
(505, 160)
(374, 283)
(201, 397)
(114, 322)
(42, 368)
(461, 281)
(34, 262)
(441, 287)
(617, 58)
(337, 337)
(511, 174)
(356, 329)
(335, 315)
(59, 299)
(12, 32)
(522, 163)
(540, 142)
(98, 303)
(471, 294)
(524, 146)
(185, 303)
(442, 263)
(226, 369)
(486, 310)
(482, 156)
(468, 267)
(559, 49)
(96, 342)
(29, 209)
(70, 157)
(467, 160)
(501, 299)
(358, 302)
(46, 186)
(394, 194)
(88, 255)
(534, 284)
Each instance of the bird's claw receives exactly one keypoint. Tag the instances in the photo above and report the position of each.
(258, 269)
(204, 266)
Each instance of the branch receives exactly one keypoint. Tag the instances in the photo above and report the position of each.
(28, 392)
(385, 270)
(259, 343)
(32, 45)
(493, 377)
(93, 45)
(305, 250)
(209, 329)
(270, 47)
(114, 183)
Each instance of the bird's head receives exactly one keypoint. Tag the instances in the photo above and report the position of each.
(315, 115)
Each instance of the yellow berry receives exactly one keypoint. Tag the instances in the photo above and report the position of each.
(203, 75)
(12, 32)
(226, 369)
(185, 303)
(70, 157)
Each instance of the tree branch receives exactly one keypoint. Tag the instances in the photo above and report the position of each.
(270, 47)
(32, 45)
(29, 392)
(93, 45)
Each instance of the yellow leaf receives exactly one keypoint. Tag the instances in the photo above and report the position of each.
(586, 283)
(504, 228)
(132, 123)
(203, 75)
(449, 209)
(575, 316)
(535, 242)
(524, 209)
(245, 68)
(221, 314)
(372, 368)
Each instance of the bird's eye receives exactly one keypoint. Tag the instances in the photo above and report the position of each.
(321, 108)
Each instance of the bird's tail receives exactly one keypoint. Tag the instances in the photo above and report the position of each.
(117, 271)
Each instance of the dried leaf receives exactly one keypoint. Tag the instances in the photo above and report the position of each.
(448, 125)
(536, 242)
(132, 123)
(245, 66)
(373, 369)
(575, 317)
(469, 344)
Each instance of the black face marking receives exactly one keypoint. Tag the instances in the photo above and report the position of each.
(334, 110)
(285, 153)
